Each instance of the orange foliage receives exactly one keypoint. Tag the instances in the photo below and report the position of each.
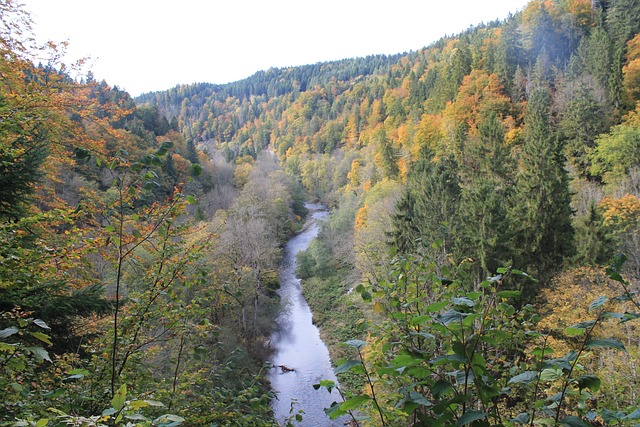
(479, 94)
(583, 12)
(621, 214)
(361, 217)
(631, 70)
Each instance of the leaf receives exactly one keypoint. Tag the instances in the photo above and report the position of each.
(328, 384)
(136, 233)
(525, 377)
(168, 420)
(109, 411)
(435, 307)
(508, 294)
(334, 411)
(137, 404)
(416, 397)
(522, 418)
(42, 422)
(469, 417)
(599, 302)
(9, 331)
(40, 353)
(354, 402)
(191, 200)
(550, 374)
(42, 337)
(41, 323)
(572, 421)
(119, 398)
(138, 417)
(358, 344)
(588, 381)
(574, 332)
(347, 366)
(451, 316)
(440, 388)
(606, 343)
(463, 301)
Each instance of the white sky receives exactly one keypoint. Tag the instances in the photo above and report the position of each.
(149, 45)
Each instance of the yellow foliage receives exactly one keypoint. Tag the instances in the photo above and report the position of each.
(361, 217)
(622, 213)
(566, 302)
(631, 70)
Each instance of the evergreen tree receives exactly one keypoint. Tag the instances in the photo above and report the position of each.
(484, 193)
(540, 216)
(427, 210)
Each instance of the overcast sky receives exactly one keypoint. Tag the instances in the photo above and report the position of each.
(149, 45)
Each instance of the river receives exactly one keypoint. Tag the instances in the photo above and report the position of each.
(297, 344)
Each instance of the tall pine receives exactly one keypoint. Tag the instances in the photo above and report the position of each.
(540, 215)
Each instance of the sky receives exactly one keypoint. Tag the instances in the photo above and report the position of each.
(150, 45)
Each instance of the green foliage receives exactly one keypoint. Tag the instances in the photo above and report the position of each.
(442, 355)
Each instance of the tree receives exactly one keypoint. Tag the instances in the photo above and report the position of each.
(540, 214)
(428, 209)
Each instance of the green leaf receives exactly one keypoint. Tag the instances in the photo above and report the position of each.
(42, 422)
(599, 302)
(469, 417)
(525, 377)
(110, 229)
(136, 417)
(334, 411)
(119, 398)
(463, 301)
(42, 337)
(136, 233)
(416, 397)
(137, 404)
(41, 323)
(435, 307)
(191, 200)
(606, 343)
(572, 421)
(574, 332)
(588, 381)
(522, 418)
(195, 170)
(354, 402)
(9, 331)
(328, 384)
(347, 366)
(55, 393)
(109, 411)
(39, 353)
(358, 344)
(451, 316)
(508, 294)
(440, 388)
(551, 374)
(168, 420)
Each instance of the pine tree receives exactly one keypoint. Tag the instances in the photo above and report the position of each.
(540, 216)
(427, 210)
(483, 200)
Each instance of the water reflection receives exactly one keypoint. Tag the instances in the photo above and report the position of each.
(300, 357)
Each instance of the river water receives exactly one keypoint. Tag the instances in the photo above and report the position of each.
(297, 344)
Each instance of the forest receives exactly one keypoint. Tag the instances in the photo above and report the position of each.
(480, 265)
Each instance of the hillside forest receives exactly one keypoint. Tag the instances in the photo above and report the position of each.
(480, 265)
